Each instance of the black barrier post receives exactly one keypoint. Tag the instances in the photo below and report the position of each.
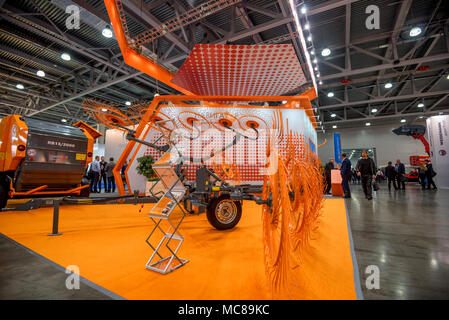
(55, 219)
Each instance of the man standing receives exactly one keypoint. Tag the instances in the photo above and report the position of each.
(345, 171)
(96, 170)
(327, 170)
(103, 175)
(110, 175)
(390, 173)
(400, 172)
(367, 171)
(429, 175)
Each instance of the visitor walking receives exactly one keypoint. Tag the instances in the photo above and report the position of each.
(328, 172)
(422, 170)
(390, 173)
(400, 174)
(345, 171)
(429, 175)
(367, 171)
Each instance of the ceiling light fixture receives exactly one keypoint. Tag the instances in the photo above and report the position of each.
(65, 56)
(321, 82)
(333, 115)
(368, 124)
(325, 52)
(388, 85)
(20, 86)
(302, 41)
(64, 120)
(415, 31)
(307, 26)
(40, 73)
(374, 110)
(128, 103)
(313, 53)
(104, 109)
(107, 32)
(330, 94)
(334, 127)
(420, 105)
(403, 120)
(156, 94)
(303, 9)
(309, 38)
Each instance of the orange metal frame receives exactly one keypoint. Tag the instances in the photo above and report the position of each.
(131, 57)
(149, 117)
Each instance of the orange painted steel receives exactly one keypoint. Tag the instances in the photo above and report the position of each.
(13, 133)
(153, 110)
(36, 191)
(134, 59)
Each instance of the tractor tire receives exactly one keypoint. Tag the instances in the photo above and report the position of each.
(3, 196)
(224, 213)
(84, 193)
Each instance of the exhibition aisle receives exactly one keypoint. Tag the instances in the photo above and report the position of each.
(107, 243)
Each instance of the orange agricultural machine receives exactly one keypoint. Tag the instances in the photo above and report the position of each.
(39, 158)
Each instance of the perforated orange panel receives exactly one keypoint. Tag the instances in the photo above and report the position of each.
(241, 70)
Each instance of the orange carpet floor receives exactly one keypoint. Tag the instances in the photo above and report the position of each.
(107, 243)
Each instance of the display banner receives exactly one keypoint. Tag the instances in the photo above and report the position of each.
(437, 130)
(337, 148)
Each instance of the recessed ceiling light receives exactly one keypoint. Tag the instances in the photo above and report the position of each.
(303, 9)
(64, 120)
(403, 120)
(325, 52)
(334, 127)
(330, 94)
(368, 124)
(107, 32)
(40, 73)
(415, 31)
(20, 86)
(309, 38)
(65, 56)
(374, 110)
(333, 115)
(307, 26)
(104, 109)
(388, 85)
(128, 103)
(420, 105)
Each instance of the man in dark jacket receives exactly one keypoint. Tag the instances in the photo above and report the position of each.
(367, 171)
(345, 171)
(390, 173)
(429, 175)
(400, 174)
(327, 170)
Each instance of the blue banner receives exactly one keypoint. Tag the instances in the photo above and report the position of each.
(337, 147)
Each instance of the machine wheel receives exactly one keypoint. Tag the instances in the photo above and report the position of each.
(224, 213)
(3, 196)
(85, 192)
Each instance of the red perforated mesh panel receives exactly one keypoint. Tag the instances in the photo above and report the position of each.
(241, 70)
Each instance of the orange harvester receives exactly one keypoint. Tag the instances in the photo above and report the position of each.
(39, 158)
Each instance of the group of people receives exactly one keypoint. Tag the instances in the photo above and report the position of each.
(367, 172)
(99, 171)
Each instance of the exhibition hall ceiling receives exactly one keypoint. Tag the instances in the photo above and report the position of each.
(367, 72)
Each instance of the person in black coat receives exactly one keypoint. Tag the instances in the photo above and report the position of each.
(400, 174)
(429, 175)
(345, 171)
(390, 173)
(327, 170)
(367, 171)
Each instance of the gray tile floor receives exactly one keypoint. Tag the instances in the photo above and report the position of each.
(404, 233)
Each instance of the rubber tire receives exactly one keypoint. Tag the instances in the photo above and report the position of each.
(217, 224)
(85, 192)
(3, 196)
